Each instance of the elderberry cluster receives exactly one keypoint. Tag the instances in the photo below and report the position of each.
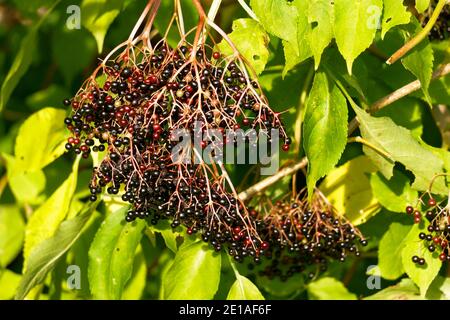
(131, 117)
(438, 230)
(441, 29)
(301, 235)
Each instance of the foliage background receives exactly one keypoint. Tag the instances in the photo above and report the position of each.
(45, 225)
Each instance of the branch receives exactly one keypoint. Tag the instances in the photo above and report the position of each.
(420, 36)
(383, 102)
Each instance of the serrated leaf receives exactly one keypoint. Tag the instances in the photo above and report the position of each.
(244, 289)
(97, 16)
(12, 229)
(46, 219)
(393, 194)
(46, 254)
(390, 249)
(348, 190)
(320, 23)
(420, 62)
(394, 14)
(251, 41)
(293, 52)
(404, 290)
(422, 5)
(34, 151)
(422, 276)
(112, 253)
(22, 60)
(328, 288)
(324, 128)
(355, 26)
(194, 274)
(384, 134)
(278, 17)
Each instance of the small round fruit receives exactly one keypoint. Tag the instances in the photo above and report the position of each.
(431, 202)
(409, 210)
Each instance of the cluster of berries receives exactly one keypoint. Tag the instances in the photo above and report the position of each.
(438, 236)
(132, 117)
(303, 235)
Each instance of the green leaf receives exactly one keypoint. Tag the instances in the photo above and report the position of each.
(136, 285)
(320, 27)
(329, 289)
(404, 290)
(26, 186)
(168, 234)
(394, 194)
(22, 60)
(422, 5)
(293, 52)
(12, 229)
(72, 51)
(194, 274)
(251, 41)
(324, 128)
(244, 289)
(34, 151)
(348, 190)
(421, 275)
(46, 219)
(46, 254)
(112, 253)
(9, 281)
(420, 61)
(355, 26)
(97, 16)
(395, 13)
(279, 18)
(390, 249)
(292, 58)
(384, 134)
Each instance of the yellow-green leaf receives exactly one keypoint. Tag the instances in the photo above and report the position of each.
(251, 41)
(355, 26)
(244, 289)
(194, 274)
(12, 229)
(348, 190)
(47, 218)
(97, 16)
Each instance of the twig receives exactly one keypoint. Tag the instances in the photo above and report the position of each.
(420, 36)
(263, 184)
(383, 102)
(407, 89)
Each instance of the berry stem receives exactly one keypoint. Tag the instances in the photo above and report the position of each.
(420, 36)
(248, 10)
